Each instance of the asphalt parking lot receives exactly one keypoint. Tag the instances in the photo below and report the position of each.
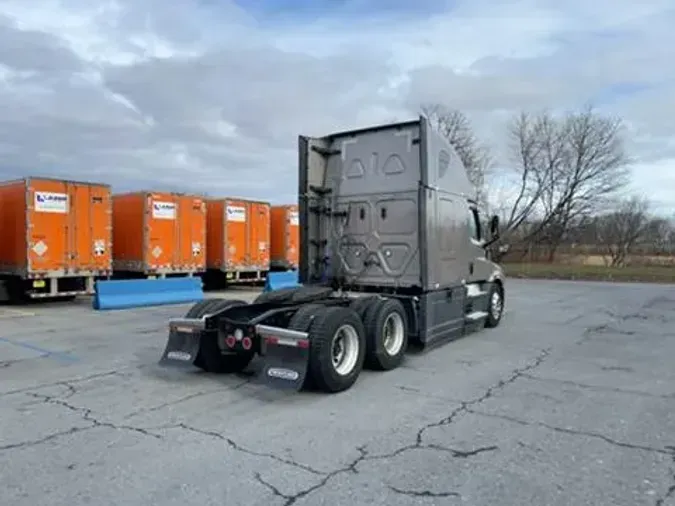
(571, 401)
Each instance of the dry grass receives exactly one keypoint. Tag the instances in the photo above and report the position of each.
(600, 260)
(638, 273)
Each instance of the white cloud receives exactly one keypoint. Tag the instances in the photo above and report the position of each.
(204, 96)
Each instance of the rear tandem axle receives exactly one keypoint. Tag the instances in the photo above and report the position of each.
(308, 336)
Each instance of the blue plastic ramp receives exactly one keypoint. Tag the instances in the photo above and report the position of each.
(279, 280)
(129, 293)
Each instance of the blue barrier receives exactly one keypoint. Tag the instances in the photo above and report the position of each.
(129, 293)
(279, 280)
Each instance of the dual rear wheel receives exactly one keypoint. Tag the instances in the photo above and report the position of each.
(371, 332)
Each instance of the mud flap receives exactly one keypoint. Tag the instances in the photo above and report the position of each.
(286, 358)
(182, 346)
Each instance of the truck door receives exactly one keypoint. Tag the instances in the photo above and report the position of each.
(479, 266)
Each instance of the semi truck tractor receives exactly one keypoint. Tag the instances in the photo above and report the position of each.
(393, 251)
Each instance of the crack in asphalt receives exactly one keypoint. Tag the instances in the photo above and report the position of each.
(69, 382)
(670, 492)
(364, 456)
(465, 405)
(46, 439)
(88, 416)
(576, 432)
(236, 446)
(202, 393)
(290, 499)
(599, 388)
(617, 317)
(423, 493)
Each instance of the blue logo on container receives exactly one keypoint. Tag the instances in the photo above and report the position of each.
(51, 198)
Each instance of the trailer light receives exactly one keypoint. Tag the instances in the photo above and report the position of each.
(230, 341)
(247, 343)
(296, 343)
(238, 334)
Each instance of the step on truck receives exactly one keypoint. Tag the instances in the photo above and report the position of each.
(393, 250)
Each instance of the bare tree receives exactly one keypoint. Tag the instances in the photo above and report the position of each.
(531, 139)
(659, 236)
(568, 167)
(457, 129)
(619, 231)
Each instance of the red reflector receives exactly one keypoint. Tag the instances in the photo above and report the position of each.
(303, 343)
(230, 341)
(272, 340)
(246, 343)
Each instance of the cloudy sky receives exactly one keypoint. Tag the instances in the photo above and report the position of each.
(210, 95)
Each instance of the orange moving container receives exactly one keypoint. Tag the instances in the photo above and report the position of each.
(238, 240)
(158, 233)
(56, 233)
(284, 237)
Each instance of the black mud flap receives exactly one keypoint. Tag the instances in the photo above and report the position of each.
(182, 346)
(286, 356)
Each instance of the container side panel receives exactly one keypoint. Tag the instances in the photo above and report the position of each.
(49, 212)
(80, 232)
(100, 221)
(278, 234)
(199, 234)
(236, 218)
(259, 233)
(13, 242)
(292, 232)
(163, 238)
(192, 233)
(215, 234)
(127, 234)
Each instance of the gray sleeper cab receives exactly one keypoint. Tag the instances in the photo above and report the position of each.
(392, 250)
(390, 209)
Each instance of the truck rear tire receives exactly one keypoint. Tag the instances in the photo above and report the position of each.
(295, 295)
(337, 348)
(386, 325)
(304, 317)
(362, 304)
(281, 295)
(210, 358)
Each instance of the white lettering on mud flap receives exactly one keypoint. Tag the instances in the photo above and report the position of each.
(179, 355)
(285, 374)
(236, 213)
(164, 210)
(49, 202)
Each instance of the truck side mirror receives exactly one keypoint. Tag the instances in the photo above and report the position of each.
(494, 226)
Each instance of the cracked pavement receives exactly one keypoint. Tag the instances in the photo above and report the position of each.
(570, 401)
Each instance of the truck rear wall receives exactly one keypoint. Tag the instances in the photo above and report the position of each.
(284, 237)
(55, 228)
(393, 212)
(159, 233)
(238, 235)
